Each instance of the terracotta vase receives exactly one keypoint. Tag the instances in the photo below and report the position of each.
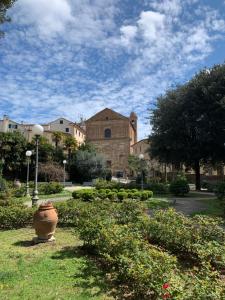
(45, 221)
(17, 184)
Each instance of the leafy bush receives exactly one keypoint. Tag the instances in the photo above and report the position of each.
(68, 212)
(145, 195)
(122, 195)
(220, 191)
(200, 238)
(85, 195)
(3, 184)
(50, 188)
(104, 184)
(179, 187)
(112, 196)
(20, 192)
(14, 217)
(158, 188)
(115, 231)
(90, 195)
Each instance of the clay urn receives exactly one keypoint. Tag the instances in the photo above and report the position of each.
(17, 184)
(45, 221)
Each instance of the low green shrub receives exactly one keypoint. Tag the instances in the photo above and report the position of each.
(200, 238)
(117, 235)
(179, 187)
(13, 217)
(49, 188)
(112, 196)
(220, 191)
(145, 195)
(85, 195)
(68, 212)
(20, 192)
(3, 184)
(122, 196)
(90, 195)
(158, 188)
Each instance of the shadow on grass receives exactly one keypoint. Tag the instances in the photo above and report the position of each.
(88, 274)
(28, 243)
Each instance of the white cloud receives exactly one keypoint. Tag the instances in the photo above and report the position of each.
(151, 24)
(50, 17)
(128, 34)
(76, 57)
(172, 7)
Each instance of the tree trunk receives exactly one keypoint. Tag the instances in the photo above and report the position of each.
(197, 176)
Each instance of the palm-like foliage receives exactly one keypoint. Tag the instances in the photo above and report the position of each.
(57, 137)
(70, 144)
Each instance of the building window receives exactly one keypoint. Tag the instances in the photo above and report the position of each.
(61, 121)
(67, 130)
(107, 133)
(10, 125)
(16, 126)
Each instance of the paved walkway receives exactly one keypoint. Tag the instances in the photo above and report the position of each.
(190, 205)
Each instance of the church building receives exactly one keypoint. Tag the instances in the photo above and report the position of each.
(113, 136)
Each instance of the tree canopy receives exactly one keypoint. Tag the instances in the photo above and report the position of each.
(4, 6)
(188, 123)
(87, 164)
(13, 146)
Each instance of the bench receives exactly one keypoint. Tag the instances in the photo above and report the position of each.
(67, 183)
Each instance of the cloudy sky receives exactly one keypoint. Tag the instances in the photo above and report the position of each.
(72, 58)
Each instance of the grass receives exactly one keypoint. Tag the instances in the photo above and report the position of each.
(47, 271)
(64, 193)
(213, 208)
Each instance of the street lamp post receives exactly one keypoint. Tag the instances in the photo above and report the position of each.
(28, 155)
(38, 131)
(141, 157)
(64, 172)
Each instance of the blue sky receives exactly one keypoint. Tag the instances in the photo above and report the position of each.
(72, 58)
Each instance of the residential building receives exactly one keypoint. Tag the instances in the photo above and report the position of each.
(61, 124)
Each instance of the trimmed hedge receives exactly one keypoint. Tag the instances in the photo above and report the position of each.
(114, 195)
(158, 188)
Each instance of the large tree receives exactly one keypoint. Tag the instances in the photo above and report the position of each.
(188, 123)
(87, 164)
(13, 146)
(4, 6)
(70, 144)
(57, 137)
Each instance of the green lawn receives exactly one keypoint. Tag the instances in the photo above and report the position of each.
(214, 208)
(47, 271)
(64, 193)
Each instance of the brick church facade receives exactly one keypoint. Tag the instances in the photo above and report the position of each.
(113, 135)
